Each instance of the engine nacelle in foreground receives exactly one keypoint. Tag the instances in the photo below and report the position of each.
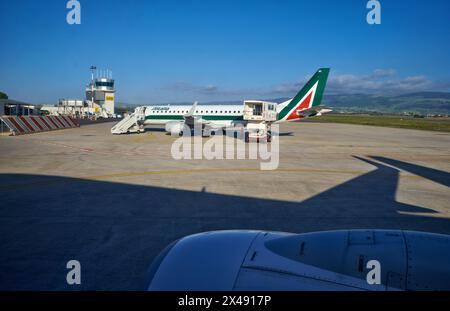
(331, 260)
(175, 127)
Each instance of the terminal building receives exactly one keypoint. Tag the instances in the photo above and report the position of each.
(74, 108)
(11, 107)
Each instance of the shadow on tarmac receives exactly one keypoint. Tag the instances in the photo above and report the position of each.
(115, 229)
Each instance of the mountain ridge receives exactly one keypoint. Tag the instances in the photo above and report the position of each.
(416, 102)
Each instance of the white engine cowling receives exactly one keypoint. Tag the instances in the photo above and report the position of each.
(174, 127)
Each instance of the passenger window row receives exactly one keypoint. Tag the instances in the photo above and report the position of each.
(202, 111)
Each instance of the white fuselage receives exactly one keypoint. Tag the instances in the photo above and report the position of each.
(221, 115)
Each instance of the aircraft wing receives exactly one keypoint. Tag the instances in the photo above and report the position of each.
(191, 119)
(313, 111)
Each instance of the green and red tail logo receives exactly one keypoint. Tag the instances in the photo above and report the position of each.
(309, 96)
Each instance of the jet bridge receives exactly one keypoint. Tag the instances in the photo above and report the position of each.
(260, 111)
(259, 115)
(133, 123)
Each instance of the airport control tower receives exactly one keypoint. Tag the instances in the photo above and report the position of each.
(100, 91)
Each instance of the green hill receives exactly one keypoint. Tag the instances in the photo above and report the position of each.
(416, 103)
(422, 103)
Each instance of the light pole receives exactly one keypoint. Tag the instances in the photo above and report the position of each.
(93, 69)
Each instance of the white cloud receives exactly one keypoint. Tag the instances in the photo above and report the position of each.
(379, 81)
(382, 73)
(378, 84)
(186, 87)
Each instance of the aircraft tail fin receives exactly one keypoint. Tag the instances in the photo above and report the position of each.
(309, 96)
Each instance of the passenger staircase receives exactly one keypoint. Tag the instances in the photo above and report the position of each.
(133, 123)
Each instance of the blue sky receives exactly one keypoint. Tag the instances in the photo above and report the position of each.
(211, 50)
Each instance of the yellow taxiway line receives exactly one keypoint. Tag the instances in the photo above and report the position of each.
(60, 179)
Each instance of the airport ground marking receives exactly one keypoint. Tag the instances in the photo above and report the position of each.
(62, 179)
(218, 170)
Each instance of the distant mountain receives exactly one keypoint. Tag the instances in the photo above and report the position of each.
(427, 95)
(419, 102)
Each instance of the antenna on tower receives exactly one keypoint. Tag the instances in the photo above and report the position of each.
(93, 70)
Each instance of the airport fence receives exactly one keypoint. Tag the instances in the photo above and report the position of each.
(20, 125)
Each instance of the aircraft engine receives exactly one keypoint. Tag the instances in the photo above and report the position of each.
(343, 260)
(175, 127)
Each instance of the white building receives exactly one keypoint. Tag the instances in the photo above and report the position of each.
(101, 90)
(99, 102)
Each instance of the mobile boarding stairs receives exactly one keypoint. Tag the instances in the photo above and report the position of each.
(133, 123)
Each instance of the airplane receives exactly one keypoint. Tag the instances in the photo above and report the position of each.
(254, 115)
(341, 260)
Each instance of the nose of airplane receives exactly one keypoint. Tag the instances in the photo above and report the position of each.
(206, 261)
